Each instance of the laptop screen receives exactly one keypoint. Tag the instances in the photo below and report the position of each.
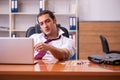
(16, 51)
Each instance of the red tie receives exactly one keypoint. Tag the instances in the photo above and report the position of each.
(42, 53)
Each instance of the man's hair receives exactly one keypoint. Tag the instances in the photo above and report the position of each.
(50, 13)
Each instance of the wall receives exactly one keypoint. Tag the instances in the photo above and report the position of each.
(99, 10)
(89, 41)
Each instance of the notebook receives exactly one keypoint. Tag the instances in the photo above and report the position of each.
(16, 51)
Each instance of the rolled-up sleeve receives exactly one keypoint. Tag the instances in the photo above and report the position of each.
(70, 45)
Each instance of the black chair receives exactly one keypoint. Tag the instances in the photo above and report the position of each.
(105, 45)
(36, 29)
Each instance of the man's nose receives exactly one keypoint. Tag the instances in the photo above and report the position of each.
(45, 25)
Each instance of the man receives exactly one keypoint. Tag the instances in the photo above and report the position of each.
(60, 47)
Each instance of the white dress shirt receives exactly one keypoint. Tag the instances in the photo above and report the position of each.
(63, 42)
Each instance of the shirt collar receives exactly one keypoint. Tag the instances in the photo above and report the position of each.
(60, 32)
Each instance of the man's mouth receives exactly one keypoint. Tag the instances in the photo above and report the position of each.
(46, 30)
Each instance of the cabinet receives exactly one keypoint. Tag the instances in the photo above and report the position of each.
(18, 22)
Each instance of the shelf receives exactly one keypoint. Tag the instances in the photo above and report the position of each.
(35, 13)
(4, 22)
(65, 13)
(20, 21)
(4, 6)
(3, 13)
(2, 30)
(72, 31)
(28, 6)
(23, 21)
(4, 34)
(18, 30)
(24, 13)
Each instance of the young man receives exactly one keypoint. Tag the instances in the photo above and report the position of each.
(51, 41)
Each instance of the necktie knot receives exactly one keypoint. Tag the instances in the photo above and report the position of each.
(49, 40)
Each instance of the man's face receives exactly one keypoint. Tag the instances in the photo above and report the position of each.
(47, 24)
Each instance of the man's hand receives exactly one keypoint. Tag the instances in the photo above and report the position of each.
(41, 47)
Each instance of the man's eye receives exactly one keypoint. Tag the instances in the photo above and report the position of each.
(47, 20)
(41, 23)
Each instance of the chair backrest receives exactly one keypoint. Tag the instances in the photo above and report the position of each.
(36, 29)
(104, 43)
(74, 57)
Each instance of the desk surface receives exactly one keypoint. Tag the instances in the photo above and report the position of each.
(65, 68)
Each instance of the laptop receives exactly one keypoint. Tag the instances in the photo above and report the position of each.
(16, 51)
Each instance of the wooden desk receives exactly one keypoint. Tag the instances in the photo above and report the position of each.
(67, 70)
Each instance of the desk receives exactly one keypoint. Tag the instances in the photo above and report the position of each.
(66, 70)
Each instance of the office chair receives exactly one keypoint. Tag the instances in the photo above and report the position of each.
(73, 57)
(105, 45)
(36, 29)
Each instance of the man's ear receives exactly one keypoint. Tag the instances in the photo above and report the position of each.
(55, 21)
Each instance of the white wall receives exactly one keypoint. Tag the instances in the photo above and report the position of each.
(99, 10)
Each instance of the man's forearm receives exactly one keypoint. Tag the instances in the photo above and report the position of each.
(61, 54)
